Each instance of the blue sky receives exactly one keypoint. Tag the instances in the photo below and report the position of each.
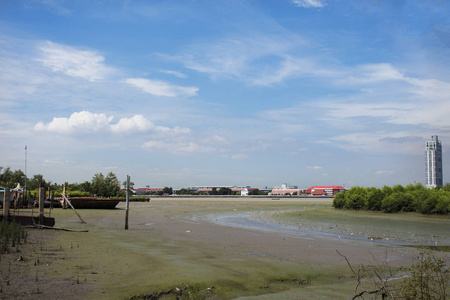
(179, 93)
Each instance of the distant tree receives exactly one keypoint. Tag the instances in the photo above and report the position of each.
(112, 185)
(446, 187)
(124, 184)
(98, 184)
(185, 192)
(256, 192)
(224, 191)
(167, 190)
(86, 187)
(108, 186)
(398, 188)
(36, 182)
(213, 191)
(10, 179)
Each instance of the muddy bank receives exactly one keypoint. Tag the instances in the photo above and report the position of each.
(171, 243)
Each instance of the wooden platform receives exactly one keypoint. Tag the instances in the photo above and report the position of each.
(30, 220)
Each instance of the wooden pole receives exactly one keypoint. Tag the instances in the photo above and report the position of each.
(67, 200)
(41, 205)
(128, 202)
(64, 204)
(6, 203)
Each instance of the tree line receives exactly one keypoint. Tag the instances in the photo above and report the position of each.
(410, 198)
(100, 185)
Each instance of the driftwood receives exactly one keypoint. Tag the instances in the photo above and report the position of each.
(54, 228)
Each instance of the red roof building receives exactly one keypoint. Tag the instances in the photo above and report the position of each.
(324, 190)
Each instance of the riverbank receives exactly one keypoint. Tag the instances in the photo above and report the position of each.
(176, 246)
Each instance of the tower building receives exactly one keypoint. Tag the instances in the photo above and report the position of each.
(433, 163)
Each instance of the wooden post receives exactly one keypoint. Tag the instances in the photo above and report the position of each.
(67, 201)
(64, 197)
(6, 203)
(128, 202)
(41, 205)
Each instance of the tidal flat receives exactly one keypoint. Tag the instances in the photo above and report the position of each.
(230, 249)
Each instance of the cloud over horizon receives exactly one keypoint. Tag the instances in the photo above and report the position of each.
(86, 121)
(161, 88)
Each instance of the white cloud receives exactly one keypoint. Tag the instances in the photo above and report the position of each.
(78, 121)
(380, 142)
(218, 138)
(314, 167)
(86, 121)
(378, 72)
(161, 88)
(176, 147)
(137, 122)
(174, 73)
(391, 97)
(308, 3)
(256, 59)
(384, 172)
(74, 62)
(239, 156)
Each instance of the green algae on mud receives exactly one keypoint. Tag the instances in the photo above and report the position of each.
(164, 250)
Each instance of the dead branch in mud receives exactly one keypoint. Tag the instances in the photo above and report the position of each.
(54, 228)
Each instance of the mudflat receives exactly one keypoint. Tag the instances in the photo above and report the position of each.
(210, 249)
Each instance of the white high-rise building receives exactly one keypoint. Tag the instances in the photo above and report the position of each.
(433, 163)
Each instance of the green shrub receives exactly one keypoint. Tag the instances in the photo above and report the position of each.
(428, 205)
(428, 279)
(374, 198)
(339, 200)
(412, 198)
(356, 198)
(443, 205)
(393, 203)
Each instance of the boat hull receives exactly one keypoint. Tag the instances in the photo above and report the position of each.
(93, 202)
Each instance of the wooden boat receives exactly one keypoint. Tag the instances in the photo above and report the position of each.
(93, 202)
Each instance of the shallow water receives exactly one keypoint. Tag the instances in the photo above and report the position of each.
(256, 221)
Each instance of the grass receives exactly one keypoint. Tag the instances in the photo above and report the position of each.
(11, 235)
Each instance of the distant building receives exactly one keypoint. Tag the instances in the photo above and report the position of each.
(242, 190)
(433, 163)
(147, 190)
(285, 189)
(324, 190)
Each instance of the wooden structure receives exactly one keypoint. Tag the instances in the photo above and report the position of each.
(25, 216)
